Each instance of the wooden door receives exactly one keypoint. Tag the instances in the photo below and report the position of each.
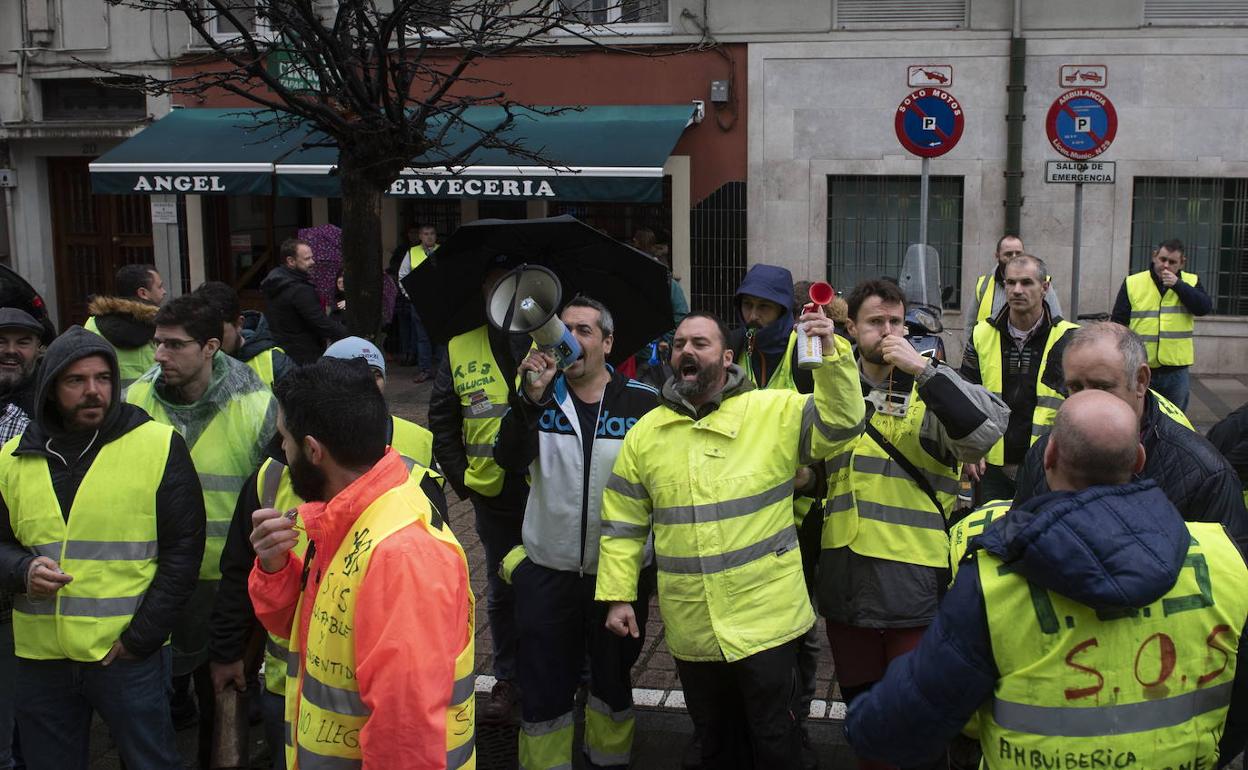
(92, 235)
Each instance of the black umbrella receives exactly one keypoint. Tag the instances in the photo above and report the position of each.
(16, 292)
(633, 285)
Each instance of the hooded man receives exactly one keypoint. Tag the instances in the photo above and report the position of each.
(102, 528)
(1090, 627)
(127, 319)
(766, 346)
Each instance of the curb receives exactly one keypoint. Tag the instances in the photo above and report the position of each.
(674, 700)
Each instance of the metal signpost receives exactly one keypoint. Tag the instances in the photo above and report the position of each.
(1081, 125)
(929, 123)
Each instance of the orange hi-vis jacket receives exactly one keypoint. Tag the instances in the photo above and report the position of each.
(405, 661)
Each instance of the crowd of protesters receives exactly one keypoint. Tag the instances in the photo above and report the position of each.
(199, 501)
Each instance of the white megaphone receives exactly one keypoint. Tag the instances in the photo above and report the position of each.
(525, 301)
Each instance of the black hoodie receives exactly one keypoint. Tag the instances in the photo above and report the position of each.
(179, 499)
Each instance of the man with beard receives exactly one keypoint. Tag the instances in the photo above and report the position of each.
(885, 554)
(102, 530)
(125, 320)
(565, 430)
(710, 473)
(765, 347)
(990, 293)
(270, 487)
(226, 415)
(373, 686)
(19, 354)
(293, 308)
(1017, 356)
(253, 346)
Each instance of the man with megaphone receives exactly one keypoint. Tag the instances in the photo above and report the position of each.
(565, 429)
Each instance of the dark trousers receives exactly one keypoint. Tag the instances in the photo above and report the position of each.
(273, 708)
(8, 665)
(560, 623)
(996, 485)
(499, 530)
(744, 710)
(56, 699)
(1175, 384)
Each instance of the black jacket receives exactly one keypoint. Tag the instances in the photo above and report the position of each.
(233, 616)
(1230, 436)
(446, 421)
(295, 316)
(1198, 480)
(179, 499)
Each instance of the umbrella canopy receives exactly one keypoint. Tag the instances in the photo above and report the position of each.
(631, 284)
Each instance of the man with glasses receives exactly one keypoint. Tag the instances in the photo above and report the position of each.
(227, 417)
(990, 295)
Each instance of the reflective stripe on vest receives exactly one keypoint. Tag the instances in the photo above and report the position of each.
(132, 363)
(273, 490)
(987, 341)
(323, 703)
(223, 458)
(985, 290)
(1153, 682)
(482, 389)
(108, 544)
(1161, 320)
(876, 508)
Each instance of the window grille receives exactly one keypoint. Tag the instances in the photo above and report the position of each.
(872, 220)
(1210, 217)
(717, 259)
(892, 14)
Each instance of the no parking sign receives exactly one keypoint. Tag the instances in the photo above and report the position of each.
(1082, 123)
(929, 122)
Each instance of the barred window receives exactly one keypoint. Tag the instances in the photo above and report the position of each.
(717, 246)
(1210, 216)
(872, 220)
(599, 12)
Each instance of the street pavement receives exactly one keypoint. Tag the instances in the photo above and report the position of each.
(663, 726)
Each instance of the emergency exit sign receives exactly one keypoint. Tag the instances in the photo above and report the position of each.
(1079, 171)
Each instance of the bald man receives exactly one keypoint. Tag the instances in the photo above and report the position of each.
(1090, 627)
(1198, 480)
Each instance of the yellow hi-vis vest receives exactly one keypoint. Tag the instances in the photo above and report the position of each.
(482, 389)
(416, 256)
(413, 443)
(1169, 410)
(987, 340)
(985, 290)
(323, 703)
(1138, 687)
(973, 524)
(782, 377)
(132, 363)
(262, 365)
(874, 506)
(1161, 320)
(108, 543)
(223, 456)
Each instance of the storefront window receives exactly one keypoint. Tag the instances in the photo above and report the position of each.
(242, 235)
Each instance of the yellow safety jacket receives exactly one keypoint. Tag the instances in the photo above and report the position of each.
(782, 379)
(417, 256)
(413, 442)
(224, 457)
(323, 704)
(973, 524)
(132, 363)
(108, 544)
(1168, 409)
(718, 495)
(1148, 684)
(482, 388)
(1161, 320)
(987, 341)
(876, 508)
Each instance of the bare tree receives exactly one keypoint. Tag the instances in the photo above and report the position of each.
(386, 81)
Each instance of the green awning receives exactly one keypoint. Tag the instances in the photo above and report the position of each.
(611, 153)
(197, 151)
